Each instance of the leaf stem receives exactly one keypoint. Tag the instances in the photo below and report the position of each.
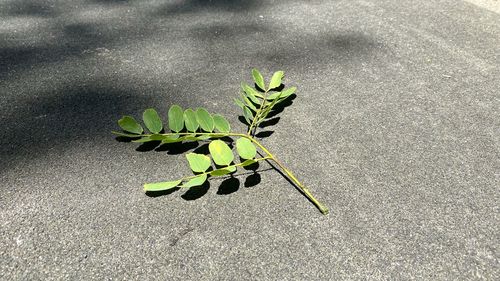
(322, 208)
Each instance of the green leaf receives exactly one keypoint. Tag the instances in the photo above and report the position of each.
(205, 120)
(161, 186)
(249, 103)
(157, 137)
(276, 79)
(221, 123)
(282, 95)
(248, 162)
(245, 148)
(248, 115)
(199, 163)
(274, 96)
(152, 120)
(250, 93)
(128, 124)
(239, 103)
(171, 139)
(175, 118)
(223, 171)
(121, 134)
(221, 153)
(287, 92)
(258, 79)
(190, 120)
(196, 181)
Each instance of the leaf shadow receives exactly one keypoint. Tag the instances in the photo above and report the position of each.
(177, 147)
(162, 193)
(253, 180)
(196, 192)
(228, 186)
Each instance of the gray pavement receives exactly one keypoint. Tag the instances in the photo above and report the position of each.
(396, 127)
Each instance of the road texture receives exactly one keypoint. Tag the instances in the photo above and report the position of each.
(396, 127)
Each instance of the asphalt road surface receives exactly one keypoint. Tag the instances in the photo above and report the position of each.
(395, 127)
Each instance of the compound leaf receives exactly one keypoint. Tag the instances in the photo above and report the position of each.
(190, 120)
(128, 124)
(196, 181)
(245, 148)
(221, 124)
(205, 120)
(221, 153)
(276, 79)
(258, 79)
(175, 118)
(152, 120)
(160, 186)
(199, 163)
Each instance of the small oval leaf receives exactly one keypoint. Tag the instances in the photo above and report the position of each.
(205, 120)
(199, 163)
(175, 118)
(258, 79)
(247, 113)
(152, 120)
(223, 171)
(248, 162)
(221, 153)
(249, 103)
(276, 79)
(239, 103)
(128, 124)
(171, 139)
(251, 91)
(196, 181)
(190, 120)
(221, 123)
(161, 186)
(245, 148)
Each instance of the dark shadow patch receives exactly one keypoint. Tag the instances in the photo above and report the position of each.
(252, 167)
(148, 146)
(202, 149)
(264, 134)
(162, 193)
(196, 192)
(269, 122)
(177, 147)
(253, 180)
(228, 186)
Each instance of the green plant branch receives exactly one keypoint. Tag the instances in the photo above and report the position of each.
(269, 156)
